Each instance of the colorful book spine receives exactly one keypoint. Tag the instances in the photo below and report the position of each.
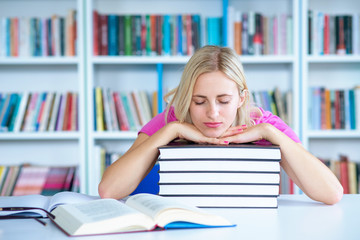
(120, 112)
(44, 111)
(113, 35)
(19, 180)
(45, 36)
(99, 109)
(214, 31)
(333, 108)
(146, 34)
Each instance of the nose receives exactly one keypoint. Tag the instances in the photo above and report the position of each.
(212, 111)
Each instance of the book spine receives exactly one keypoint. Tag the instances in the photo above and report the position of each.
(128, 40)
(96, 34)
(121, 113)
(61, 112)
(41, 111)
(67, 112)
(107, 113)
(104, 34)
(121, 35)
(113, 35)
(112, 110)
(13, 116)
(99, 109)
(54, 113)
(128, 111)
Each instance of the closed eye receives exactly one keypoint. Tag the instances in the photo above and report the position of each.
(199, 103)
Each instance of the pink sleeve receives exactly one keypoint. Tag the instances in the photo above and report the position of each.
(277, 122)
(158, 122)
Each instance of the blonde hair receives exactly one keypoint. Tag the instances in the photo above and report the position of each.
(206, 60)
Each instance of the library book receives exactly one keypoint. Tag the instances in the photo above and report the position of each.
(138, 213)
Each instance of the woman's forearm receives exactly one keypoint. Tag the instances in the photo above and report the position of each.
(308, 172)
(123, 176)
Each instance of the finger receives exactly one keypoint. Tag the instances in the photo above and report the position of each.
(240, 138)
(244, 126)
(231, 132)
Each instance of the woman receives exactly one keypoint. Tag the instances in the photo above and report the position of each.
(211, 105)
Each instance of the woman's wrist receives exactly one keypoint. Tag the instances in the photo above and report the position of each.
(272, 134)
(171, 130)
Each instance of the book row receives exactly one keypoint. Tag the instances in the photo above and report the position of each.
(252, 33)
(21, 180)
(122, 111)
(145, 34)
(238, 175)
(348, 173)
(275, 101)
(104, 158)
(125, 111)
(334, 108)
(333, 34)
(25, 37)
(38, 111)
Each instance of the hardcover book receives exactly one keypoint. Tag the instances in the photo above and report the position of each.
(38, 203)
(178, 150)
(140, 212)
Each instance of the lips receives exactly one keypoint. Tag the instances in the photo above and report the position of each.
(212, 124)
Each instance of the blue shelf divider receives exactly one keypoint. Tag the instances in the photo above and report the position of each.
(224, 22)
(159, 68)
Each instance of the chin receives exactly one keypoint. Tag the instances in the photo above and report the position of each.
(213, 134)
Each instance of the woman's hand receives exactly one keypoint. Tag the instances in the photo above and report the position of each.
(190, 132)
(244, 134)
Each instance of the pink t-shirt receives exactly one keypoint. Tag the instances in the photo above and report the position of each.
(267, 117)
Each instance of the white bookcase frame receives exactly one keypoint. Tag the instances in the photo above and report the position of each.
(289, 72)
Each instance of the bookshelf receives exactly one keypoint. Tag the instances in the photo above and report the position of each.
(27, 73)
(292, 72)
(127, 73)
(161, 73)
(333, 72)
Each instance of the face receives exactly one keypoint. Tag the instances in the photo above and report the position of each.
(214, 103)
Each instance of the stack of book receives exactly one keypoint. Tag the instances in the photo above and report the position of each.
(235, 175)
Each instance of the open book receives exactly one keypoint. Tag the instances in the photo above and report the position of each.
(141, 212)
(47, 203)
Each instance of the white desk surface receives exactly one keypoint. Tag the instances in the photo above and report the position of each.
(297, 217)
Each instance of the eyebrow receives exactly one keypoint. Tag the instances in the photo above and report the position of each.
(221, 95)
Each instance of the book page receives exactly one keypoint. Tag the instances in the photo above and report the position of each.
(38, 201)
(100, 216)
(102, 210)
(68, 198)
(165, 211)
(152, 205)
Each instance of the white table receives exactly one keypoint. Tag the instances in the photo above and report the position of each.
(297, 217)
